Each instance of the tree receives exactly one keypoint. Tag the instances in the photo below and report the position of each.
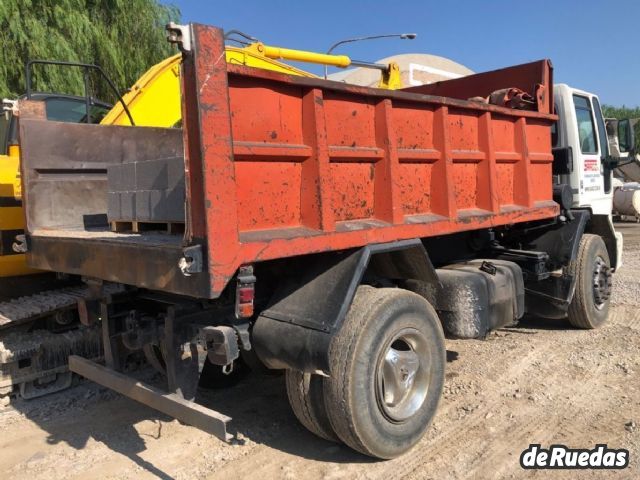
(620, 112)
(124, 37)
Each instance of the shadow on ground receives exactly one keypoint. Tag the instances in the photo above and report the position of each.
(88, 411)
(529, 323)
(257, 404)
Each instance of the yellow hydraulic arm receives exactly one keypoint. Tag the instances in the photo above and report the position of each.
(390, 74)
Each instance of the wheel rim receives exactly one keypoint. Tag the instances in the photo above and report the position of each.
(403, 373)
(601, 282)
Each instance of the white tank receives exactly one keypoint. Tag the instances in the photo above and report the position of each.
(626, 200)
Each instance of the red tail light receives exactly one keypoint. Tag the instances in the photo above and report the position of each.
(245, 292)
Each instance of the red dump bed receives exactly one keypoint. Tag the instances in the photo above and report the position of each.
(278, 165)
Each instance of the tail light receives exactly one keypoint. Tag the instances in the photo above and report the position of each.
(245, 292)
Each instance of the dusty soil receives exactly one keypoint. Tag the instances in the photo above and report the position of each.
(542, 382)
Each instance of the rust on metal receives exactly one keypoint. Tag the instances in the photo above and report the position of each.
(32, 109)
(535, 79)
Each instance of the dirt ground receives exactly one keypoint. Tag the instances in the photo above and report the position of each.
(541, 382)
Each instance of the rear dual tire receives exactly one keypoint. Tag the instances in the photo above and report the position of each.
(306, 397)
(387, 366)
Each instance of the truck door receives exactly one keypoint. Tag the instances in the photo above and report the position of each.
(590, 154)
(603, 143)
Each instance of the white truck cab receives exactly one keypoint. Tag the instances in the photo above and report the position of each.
(581, 132)
(582, 128)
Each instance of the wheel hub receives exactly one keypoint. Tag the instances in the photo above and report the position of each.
(403, 375)
(602, 282)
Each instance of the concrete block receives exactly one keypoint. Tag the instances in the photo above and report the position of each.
(127, 206)
(175, 199)
(176, 173)
(147, 191)
(143, 206)
(152, 175)
(121, 178)
(113, 206)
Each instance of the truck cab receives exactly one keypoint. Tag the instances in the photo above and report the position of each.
(582, 129)
(582, 134)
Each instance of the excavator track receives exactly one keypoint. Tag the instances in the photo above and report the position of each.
(26, 309)
(37, 335)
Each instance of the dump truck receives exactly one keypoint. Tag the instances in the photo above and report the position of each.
(331, 231)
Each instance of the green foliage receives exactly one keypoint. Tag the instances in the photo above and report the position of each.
(620, 112)
(124, 37)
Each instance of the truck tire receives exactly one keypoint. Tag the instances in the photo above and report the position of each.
(387, 372)
(589, 307)
(306, 398)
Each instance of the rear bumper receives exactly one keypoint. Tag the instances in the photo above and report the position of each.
(144, 261)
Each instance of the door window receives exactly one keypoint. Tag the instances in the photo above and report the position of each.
(72, 110)
(602, 130)
(586, 127)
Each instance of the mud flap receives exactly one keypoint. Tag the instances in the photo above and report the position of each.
(295, 330)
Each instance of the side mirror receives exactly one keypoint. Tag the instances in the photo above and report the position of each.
(611, 162)
(626, 136)
(562, 161)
